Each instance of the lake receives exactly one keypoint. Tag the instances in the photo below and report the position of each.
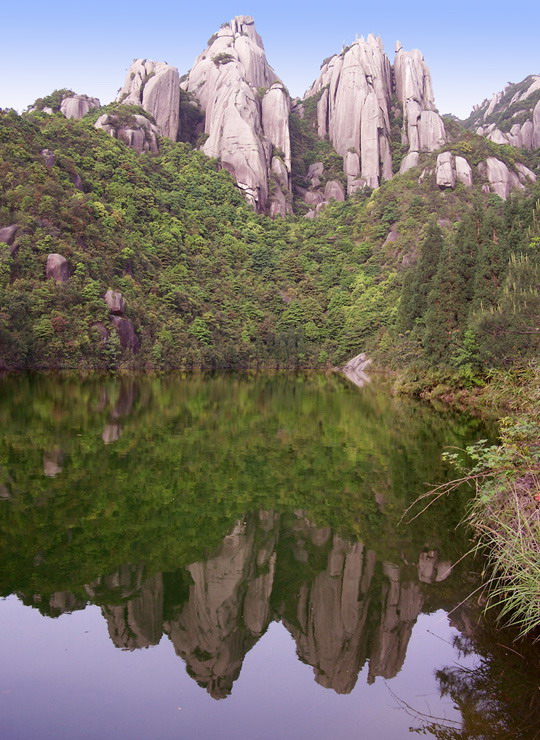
(227, 556)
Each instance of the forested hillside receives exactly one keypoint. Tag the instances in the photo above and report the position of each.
(411, 271)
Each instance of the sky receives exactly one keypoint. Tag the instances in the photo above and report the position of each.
(472, 49)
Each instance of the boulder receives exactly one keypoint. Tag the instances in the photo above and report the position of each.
(126, 333)
(315, 170)
(409, 161)
(445, 170)
(48, 158)
(57, 268)
(77, 106)
(53, 462)
(111, 433)
(334, 191)
(141, 135)
(7, 236)
(524, 173)
(115, 302)
(392, 236)
(463, 171)
(313, 198)
(501, 179)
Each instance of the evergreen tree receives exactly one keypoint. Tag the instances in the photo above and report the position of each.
(418, 281)
(452, 291)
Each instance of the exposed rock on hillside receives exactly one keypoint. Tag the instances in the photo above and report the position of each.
(423, 129)
(68, 103)
(246, 114)
(57, 268)
(497, 177)
(511, 116)
(155, 86)
(139, 133)
(77, 106)
(355, 104)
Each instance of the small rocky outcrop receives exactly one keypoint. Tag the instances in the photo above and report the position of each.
(57, 268)
(155, 86)
(8, 233)
(77, 106)
(7, 236)
(321, 190)
(115, 302)
(431, 569)
(139, 133)
(497, 176)
(246, 114)
(355, 369)
(126, 333)
(48, 157)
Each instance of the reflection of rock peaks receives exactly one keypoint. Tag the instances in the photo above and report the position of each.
(332, 613)
(343, 611)
(401, 604)
(138, 623)
(228, 606)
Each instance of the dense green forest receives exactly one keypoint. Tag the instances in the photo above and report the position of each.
(209, 283)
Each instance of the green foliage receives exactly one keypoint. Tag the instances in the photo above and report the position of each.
(53, 101)
(222, 58)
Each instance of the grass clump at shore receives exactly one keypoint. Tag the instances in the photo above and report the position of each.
(506, 518)
(505, 513)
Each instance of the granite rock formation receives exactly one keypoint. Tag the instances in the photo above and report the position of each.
(497, 176)
(155, 86)
(77, 106)
(57, 268)
(140, 134)
(228, 608)
(138, 623)
(354, 109)
(246, 114)
(511, 116)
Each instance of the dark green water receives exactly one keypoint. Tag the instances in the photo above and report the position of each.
(238, 538)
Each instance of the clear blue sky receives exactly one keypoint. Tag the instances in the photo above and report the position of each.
(473, 49)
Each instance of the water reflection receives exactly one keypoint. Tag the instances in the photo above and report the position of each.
(132, 494)
(346, 607)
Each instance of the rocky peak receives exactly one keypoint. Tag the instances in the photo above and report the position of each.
(423, 129)
(155, 86)
(246, 114)
(355, 90)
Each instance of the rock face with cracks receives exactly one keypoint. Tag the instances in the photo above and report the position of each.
(140, 134)
(246, 114)
(155, 86)
(354, 109)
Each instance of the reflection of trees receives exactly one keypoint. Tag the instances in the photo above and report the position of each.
(499, 698)
(132, 493)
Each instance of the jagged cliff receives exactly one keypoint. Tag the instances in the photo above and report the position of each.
(356, 108)
(246, 114)
(511, 116)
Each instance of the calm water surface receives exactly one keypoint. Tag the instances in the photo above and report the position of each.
(223, 557)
